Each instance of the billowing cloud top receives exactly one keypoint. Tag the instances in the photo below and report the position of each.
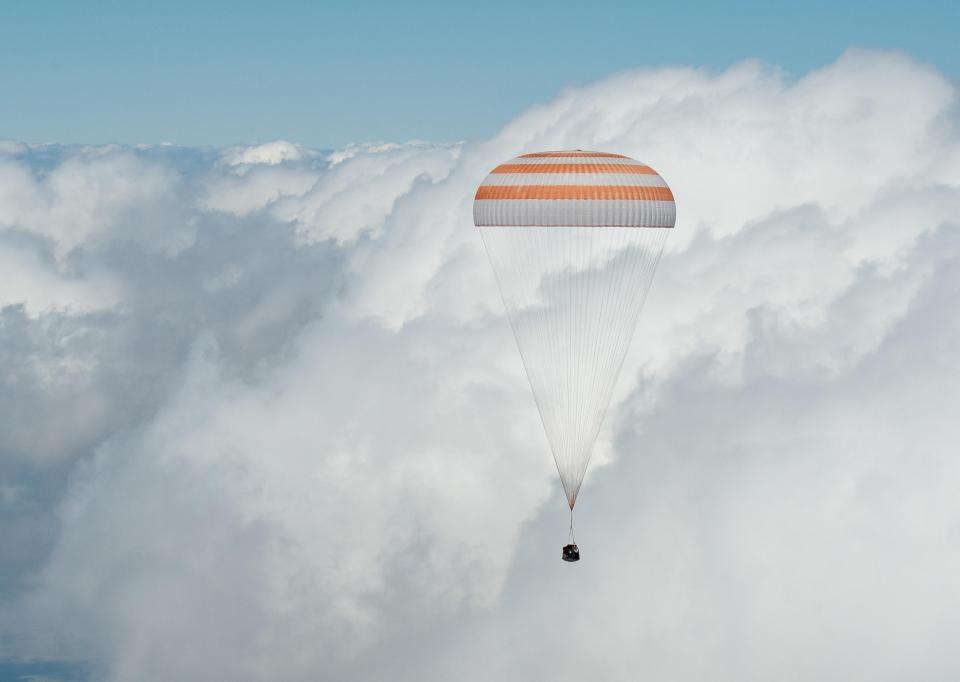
(261, 416)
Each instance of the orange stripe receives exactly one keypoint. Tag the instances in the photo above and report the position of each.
(572, 155)
(573, 168)
(627, 192)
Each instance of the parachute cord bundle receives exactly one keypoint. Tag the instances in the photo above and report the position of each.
(571, 538)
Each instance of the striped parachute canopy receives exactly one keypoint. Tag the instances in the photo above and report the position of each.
(574, 238)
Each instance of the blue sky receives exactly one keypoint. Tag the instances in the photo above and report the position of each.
(325, 74)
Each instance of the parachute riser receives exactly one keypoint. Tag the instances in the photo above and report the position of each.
(571, 552)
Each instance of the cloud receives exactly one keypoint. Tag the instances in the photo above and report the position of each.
(271, 154)
(89, 195)
(266, 417)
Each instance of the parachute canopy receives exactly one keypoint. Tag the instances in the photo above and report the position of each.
(574, 238)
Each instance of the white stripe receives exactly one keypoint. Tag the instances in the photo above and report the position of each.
(574, 212)
(613, 179)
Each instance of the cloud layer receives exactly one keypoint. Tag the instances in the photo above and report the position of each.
(262, 417)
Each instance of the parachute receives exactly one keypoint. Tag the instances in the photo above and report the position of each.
(574, 239)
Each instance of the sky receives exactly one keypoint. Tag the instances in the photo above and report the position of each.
(262, 416)
(326, 74)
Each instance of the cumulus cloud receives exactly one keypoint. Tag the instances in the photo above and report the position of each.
(263, 417)
(271, 154)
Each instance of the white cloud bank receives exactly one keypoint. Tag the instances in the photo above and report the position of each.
(263, 419)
